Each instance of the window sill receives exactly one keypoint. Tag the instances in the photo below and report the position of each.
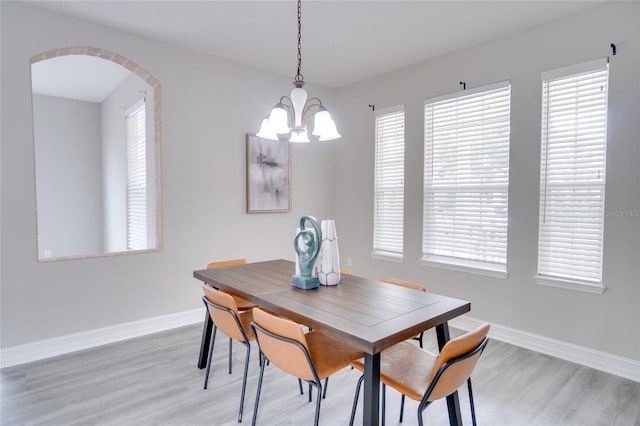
(468, 266)
(571, 284)
(385, 255)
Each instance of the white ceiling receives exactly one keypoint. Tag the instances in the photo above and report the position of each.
(342, 41)
(80, 77)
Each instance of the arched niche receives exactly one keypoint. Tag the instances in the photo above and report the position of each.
(97, 144)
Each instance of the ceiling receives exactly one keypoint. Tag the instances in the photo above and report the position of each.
(343, 42)
(80, 77)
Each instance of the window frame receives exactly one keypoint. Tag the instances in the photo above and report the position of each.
(544, 276)
(476, 266)
(386, 252)
(136, 174)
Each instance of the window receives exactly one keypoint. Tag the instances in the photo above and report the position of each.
(466, 178)
(136, 177)
(388, 218)
(572, 176)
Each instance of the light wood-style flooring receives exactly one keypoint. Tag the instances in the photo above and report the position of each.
(153, 380)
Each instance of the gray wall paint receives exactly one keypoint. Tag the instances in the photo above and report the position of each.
(69, 182)
(610, 322)
(208, 105)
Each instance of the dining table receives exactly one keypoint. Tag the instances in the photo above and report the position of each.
(370, 315)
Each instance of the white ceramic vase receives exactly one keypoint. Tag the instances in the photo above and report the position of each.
(329, 258)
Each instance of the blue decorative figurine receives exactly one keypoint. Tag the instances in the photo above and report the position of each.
(307, 245)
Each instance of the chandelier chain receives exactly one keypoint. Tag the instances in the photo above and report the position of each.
(299, 78)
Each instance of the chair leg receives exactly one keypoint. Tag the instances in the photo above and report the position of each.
(324, 391)
(244, 381)
(230, 348)
(318, 401)
(355, 400)
(207, 327)
(384, 403)
(300, 386)
(420, 338)
(421, 408)
(310, 393)
(255, 407)
(401, 407)
(473, 409)
(211, 343)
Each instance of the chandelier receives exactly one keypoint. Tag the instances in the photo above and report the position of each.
(290, 114)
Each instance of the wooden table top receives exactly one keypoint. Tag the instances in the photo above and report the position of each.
(369, 314)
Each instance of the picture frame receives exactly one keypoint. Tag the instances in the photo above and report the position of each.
(268, 175)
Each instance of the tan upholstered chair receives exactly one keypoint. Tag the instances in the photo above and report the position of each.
(311, 357)
(410, 285)
(241, 303)
(425, 377)
(402, 283)
(234, 323)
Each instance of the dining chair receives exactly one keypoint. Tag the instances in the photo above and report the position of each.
(234, 323)
(410, 285)
(402, 283)
(243, 304)
(311, 356)
(425, 377)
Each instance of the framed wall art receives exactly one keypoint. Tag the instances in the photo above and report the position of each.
(268, 175)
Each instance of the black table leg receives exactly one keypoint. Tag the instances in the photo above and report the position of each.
(453, 402)
(371, 406)
(207, 328)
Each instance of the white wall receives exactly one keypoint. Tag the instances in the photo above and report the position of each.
(610, 322)
(69, 184)
(208, 105)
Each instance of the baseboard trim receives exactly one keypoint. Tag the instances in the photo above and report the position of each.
(41, 349)
(609, 363)
(22, 354)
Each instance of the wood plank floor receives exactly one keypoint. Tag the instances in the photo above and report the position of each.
(153, 380)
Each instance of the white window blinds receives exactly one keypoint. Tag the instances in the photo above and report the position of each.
(388, 219)
(136, 177)
(466, 176)
(572, 173)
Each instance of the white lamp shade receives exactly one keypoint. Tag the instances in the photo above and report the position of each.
(321, 122)
(331, 133)
(266, 131)
(300, 136)
(278, 119)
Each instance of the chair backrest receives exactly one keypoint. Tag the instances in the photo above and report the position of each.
(402, 283)
(224, 313)
(223, 263)
(283, 342)
(456, 362)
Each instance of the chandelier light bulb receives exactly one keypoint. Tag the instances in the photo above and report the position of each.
(331, 133)
(278, 119)
(299, 136)
(321, 122)
(266, 131)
